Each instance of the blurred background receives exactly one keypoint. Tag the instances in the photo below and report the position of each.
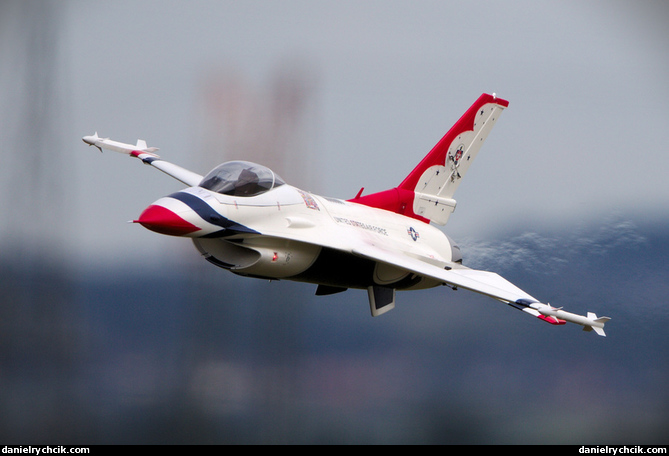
(110, 333)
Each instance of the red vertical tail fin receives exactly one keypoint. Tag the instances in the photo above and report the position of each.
(427, 192)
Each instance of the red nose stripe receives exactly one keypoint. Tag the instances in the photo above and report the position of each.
(164, 221)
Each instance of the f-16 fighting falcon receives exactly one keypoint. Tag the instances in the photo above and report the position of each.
(243, 217)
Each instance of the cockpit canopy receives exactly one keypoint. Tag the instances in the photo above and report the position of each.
(241, 178)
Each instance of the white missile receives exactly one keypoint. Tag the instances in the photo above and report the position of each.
(589, 322)
(147, 155)
(106, 143)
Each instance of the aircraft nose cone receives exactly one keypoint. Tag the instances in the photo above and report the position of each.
(164, 221)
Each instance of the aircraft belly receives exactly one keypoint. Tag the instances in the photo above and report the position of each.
(340, 269)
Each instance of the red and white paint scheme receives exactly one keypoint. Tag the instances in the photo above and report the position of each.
(243, 217)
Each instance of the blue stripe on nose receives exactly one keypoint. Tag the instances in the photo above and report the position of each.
(208, 214)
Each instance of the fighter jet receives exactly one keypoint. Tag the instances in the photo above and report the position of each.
(243, 217)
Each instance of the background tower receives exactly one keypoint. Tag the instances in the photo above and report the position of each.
(272, 123)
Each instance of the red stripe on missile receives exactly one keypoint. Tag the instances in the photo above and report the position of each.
(164, 221)
(552, 320)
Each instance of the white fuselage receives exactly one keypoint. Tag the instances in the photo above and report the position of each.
(287, 233)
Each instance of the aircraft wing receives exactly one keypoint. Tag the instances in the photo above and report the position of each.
(483, 282)
(147, 155)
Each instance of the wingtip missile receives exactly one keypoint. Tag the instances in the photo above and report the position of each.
(92, 140)
(589, 322)
(106, 143)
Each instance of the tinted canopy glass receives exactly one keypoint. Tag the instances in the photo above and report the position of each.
(240, 178)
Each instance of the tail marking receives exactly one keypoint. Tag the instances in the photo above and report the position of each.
(427, 192)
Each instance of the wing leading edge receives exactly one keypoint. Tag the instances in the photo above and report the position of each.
(486, 283)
